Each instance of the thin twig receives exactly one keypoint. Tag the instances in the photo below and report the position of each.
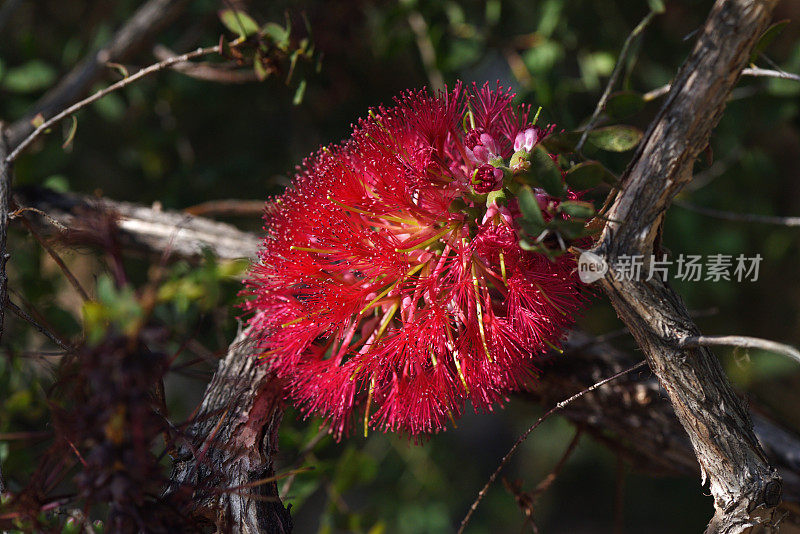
(769, 73)
(301, 457)
(756, 72)
(740, 217)
(56, 258)
(20, 210)
(744, 342)
(216, 72)
(612, 81)
(533, 427)
(156, 67)
(5, 202)
(22, 314)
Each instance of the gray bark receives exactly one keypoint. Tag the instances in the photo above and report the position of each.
(744, 486)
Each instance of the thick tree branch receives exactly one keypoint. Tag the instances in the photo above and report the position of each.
(136, 32)
(135, 228)
(718, 424)
(231, 444)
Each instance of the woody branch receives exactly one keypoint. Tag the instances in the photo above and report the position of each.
(719, 426)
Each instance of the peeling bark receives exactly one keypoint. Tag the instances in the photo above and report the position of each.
(229, 449)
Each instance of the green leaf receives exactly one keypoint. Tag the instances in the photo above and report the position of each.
(619, 138)
(547, 174)
(562, 142)
(299, 93)
(238, 22)
(624, 104)
(277, 33)
(571, 229)
(589, 174)
(767, 37)
(657, 6)
(575, 208)
(71, 134)
(532, 221)
(497, 197)
(28, 78)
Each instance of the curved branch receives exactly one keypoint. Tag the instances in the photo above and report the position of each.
(718, 424)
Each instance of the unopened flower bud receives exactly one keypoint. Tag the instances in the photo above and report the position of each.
(527, 139)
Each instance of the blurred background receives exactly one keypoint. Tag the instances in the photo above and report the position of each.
(179, 141)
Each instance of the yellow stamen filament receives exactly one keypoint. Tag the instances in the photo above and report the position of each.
(460, 372)
(371, 214)
(557, 349)
(386, 291)
(448, 228)
(369, 402)
(387, 318)
(479, 310)
(556, 306)
(452, 347)
(503, 268)
(317, 250)
(452, 419)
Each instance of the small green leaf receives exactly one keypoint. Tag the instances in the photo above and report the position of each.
(767, 37)
(619, 138)
(624, 104)
(28, 78)
(122, 69)
(497, 197)
(547, 174)
(299, 93)
(562, 142)
(575, 208)
(38, 120)
(259, 68)
(532, 220)
(571, 229)
(71, 134)
(657, 6)
(589, 174)
(238, 22)
(277, 33)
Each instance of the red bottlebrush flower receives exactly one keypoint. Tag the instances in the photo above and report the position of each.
(380, 297)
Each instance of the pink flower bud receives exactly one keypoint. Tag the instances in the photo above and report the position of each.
(527, 139)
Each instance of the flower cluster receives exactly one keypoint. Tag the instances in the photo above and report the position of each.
(391, 287)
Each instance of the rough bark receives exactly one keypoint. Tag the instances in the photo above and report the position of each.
(229, 449)
(740, 479)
